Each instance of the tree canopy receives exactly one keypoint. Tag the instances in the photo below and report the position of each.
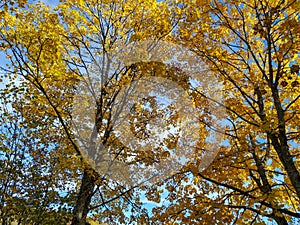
(150, 112)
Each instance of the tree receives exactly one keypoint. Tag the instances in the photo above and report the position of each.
(252, 47)
(55, 49)
(252, 51)
(34, 186)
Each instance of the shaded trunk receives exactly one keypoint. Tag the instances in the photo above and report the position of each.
(288, 163)
(280, 220)
(84, 197)
(280, 144)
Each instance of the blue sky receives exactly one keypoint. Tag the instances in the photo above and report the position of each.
(48, 2)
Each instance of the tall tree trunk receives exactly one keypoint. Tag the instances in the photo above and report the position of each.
(84, 197)
(280, 144)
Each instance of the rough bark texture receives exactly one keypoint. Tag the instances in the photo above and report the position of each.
(84, 198)
(280, 144)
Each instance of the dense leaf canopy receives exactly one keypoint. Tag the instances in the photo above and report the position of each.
(150, 112)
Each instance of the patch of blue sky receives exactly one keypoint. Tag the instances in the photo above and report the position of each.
(51, 3)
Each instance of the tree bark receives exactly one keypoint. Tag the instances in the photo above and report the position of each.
(280, 144)
(280, 220)
(84, 197)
